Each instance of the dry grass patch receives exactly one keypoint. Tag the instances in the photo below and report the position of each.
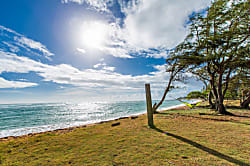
(181, 137)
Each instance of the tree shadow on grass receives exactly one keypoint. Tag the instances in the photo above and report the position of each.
(206, 149)
(227, 106)
(219, 120)
(234, 115)
(213, 119)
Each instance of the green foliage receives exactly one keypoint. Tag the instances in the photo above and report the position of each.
(196, 95)
(239, 85)
(206, 92)
(217, 46)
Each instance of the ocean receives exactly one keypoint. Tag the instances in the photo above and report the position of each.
(21, 119)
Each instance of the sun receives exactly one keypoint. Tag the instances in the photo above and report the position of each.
(93, 34)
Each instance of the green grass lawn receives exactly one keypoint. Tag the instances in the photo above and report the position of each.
(181, 137)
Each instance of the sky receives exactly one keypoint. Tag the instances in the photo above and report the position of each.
(90, 50)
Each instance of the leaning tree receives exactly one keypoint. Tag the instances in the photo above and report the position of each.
(176, 69)
(218, 43)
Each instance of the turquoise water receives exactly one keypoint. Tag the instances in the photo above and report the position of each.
(20, 119)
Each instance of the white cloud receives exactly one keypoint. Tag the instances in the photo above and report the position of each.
(2, 28)
(148, 24)
(12, 47)
(76, 1)
(160, 67)
(15, 42)
(12, 63)
(109, 68)
(157, 23)
(100, 5)
(103, 78)
(22, 79)
(100, 37)
(99, 65)
(80, 50)
(101, 60)
(33, 44)
(15, 84)
(102, 81)
(161, 54)
(118, 52)
(104, 66)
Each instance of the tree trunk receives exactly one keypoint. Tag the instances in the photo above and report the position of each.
(210, 95)
(174, 72)
(156, 106)
(245, 103)
(220, 97)
(220, 108)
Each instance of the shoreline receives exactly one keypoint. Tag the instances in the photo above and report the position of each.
(180, 136)
(69, 129)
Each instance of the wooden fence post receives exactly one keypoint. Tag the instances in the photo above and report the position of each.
(149, 106)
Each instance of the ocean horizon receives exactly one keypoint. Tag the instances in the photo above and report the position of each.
(22, 119)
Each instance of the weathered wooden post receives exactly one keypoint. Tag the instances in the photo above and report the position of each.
(149, 106)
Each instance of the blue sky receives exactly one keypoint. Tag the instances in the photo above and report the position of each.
(90, 50)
